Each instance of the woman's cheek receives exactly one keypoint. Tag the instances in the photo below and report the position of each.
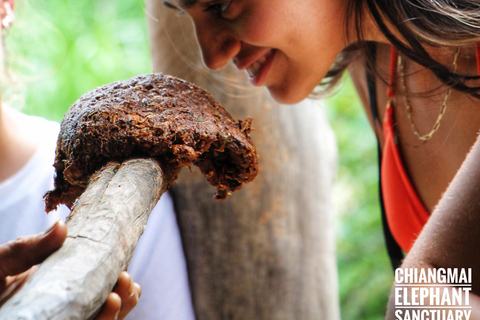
(262, 30)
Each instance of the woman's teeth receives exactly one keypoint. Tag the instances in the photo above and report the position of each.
(253, 69)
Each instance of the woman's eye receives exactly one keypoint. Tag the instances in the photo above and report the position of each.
(218, 8)
(171, 6)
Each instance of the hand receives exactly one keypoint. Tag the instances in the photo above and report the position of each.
(18, 260)
(19, 257)
(121, 300)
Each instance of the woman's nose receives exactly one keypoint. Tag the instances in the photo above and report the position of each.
(217, 43)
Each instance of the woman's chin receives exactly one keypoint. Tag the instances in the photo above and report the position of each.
(289, 96)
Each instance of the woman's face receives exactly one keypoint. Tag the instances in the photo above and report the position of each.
(286, 45)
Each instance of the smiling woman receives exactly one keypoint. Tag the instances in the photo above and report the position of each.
(291, 47)
(264, 38)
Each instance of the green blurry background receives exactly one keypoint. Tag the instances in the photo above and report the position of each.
(59, 49)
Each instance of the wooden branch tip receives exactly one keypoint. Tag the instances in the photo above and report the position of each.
(103, 230)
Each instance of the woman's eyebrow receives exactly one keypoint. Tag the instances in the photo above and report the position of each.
(186, 4)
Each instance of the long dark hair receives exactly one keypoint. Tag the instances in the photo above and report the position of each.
(420, 22)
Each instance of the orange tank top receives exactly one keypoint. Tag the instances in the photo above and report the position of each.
(405, 213)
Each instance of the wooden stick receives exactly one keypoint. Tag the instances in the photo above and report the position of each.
(103, 230)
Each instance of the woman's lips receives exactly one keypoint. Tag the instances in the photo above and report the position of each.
(257, 71)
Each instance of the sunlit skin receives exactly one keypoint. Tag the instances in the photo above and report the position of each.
(295, 37)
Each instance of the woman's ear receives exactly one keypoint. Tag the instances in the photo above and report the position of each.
(6, 13)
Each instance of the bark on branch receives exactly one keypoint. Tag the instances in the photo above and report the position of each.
(103, 230)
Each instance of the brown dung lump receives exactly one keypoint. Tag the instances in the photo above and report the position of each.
(151, 116)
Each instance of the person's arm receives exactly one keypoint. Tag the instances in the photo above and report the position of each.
(19, 257)
(451, 238)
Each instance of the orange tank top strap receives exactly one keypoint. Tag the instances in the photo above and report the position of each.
(405, 213)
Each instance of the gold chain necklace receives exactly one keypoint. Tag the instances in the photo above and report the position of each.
(424, 138)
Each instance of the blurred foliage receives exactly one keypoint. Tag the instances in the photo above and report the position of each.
(60, 49)
(365, 274)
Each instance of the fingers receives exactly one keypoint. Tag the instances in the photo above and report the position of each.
(128, 291)
(11, 284)
(121, 300)
(19, 255)
(111, 308)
